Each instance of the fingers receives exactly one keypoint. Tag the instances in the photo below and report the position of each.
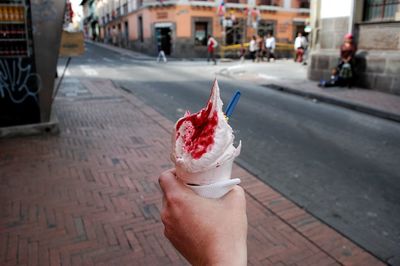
(171, 186)
(168, 180)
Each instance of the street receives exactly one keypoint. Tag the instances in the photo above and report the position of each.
(340, 165)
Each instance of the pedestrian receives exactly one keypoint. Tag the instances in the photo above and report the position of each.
(211, 45)
(114, 35)
(161, 54)
(253, 48)
(242, 53)
(346, 62)
(300, 44)
(205, 231)
(270, 47)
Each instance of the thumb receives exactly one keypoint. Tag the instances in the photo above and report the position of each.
(169, 183)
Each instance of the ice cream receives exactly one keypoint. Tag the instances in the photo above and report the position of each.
(203, 150)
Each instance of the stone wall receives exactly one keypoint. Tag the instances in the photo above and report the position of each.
(332, 32)
(148, 46)
(379, 36)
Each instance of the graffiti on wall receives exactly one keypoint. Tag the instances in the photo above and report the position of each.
(18, 82)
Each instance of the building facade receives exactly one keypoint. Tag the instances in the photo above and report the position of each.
(180, 27)
(375, 26)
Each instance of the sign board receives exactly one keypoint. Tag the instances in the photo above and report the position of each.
(72, 44)
(162, 15)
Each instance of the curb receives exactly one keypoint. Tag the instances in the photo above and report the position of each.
(50, 128)
(342, 103)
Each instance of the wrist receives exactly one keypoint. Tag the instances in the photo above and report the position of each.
(235, 254)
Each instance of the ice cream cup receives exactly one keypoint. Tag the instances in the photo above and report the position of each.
(212, 183)
(215, 174)
(215, 190)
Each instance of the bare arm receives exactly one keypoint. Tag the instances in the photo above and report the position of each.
(204, 231)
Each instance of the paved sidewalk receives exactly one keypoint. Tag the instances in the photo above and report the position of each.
(90, 196)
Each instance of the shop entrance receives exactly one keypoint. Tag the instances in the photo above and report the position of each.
(163, 38)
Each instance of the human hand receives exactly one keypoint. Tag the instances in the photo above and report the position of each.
(205, 231)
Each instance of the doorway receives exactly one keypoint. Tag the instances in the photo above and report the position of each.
(163, 39)
(126, 39)
(299, 27)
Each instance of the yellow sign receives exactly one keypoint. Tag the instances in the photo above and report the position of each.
(72, 44)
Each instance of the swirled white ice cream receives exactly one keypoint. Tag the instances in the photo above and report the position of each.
(203, 150)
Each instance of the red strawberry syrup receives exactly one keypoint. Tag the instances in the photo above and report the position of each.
(199, 131)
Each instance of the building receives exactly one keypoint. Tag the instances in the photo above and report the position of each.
(180, 27)
(91, 27)
(376, 29)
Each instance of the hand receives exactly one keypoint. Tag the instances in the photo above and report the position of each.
(205, 231)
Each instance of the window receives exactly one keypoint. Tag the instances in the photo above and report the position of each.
(200, 33)
(235, 32)
(125, 9)
(265, 27)
(381, 10)
(233, 1)
(304, 4)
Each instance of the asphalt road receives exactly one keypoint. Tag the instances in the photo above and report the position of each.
(340, 165)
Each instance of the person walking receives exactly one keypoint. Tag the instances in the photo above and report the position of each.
(270, 47)
(211, 45)
(253, 48)
(300, 44)
(161, 54)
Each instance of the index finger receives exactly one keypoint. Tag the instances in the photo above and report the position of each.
(169, 183)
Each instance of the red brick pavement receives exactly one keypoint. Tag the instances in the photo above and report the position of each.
(90, 196)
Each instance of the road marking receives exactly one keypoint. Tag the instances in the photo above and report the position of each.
(267, 77)
(108, 60)
(236, 66)
(89, 71)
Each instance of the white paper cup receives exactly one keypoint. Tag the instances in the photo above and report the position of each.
(215, 190)
(213, 175)
(213, 183)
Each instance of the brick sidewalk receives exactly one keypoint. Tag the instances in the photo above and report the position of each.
(90, 196)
